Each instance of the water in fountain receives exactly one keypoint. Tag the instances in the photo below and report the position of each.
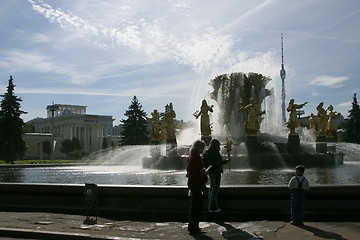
(123, 166)
(231, 89)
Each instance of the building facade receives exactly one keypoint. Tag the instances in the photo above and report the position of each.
(69, 121)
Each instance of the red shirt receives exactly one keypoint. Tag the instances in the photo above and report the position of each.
(195, 167)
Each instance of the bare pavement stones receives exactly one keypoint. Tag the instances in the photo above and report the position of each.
(37, 225)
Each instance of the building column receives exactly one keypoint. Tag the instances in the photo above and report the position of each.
(86, 140)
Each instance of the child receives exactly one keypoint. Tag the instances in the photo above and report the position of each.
(298, 185)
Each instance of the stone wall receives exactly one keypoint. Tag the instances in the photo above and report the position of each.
(239, 203)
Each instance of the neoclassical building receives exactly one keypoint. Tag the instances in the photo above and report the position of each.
(68, 121)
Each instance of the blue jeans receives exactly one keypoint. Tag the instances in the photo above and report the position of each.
(215, 179)
(297, 205)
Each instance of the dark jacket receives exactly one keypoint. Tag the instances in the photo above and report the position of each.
(195, 168)
(216, 161)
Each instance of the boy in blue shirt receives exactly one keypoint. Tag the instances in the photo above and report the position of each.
(298, 185)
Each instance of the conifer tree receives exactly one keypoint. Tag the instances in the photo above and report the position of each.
(135, 127)
(12, 145)
(352, 133)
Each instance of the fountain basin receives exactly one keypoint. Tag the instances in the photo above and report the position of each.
(255, 161)
(239, 203)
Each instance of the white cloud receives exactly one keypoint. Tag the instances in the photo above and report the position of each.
(315, 93)
(17, 60)
(65, 20)
(204, 50)
(174, 90)
(345, 104)
(329, 81)
(264, 63)
(199, 49)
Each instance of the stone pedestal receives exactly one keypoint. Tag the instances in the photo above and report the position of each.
(321, 144)
(171, 148)
(155, 149)
(251, 144)
(331, 146)
(293, 144)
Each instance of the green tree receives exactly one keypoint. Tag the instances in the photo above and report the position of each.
(352, 133)
(46, 148)
(12, 145)
(135, 127)
(29, 128)
(68, 146)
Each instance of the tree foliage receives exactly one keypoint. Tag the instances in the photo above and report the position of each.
(29, 128)
(352, 133)
(46, 148)
(69, 146)
(135, 127)
(12, 145)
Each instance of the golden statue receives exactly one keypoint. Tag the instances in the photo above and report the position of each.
(154, 129)
(204, 120)
(229, 143)
(293, 123)
(321, 116)
(170, 125)
(163, 133)
(312, 122)
(330, 125)
(252, 125)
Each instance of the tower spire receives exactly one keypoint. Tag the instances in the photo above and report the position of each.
(282, 75)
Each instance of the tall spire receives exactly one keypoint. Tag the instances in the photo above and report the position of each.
(282, 75)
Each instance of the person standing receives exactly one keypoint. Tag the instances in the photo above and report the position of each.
(298, 185)
(195, 172)
(216, 162)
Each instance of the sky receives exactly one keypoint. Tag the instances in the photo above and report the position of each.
(102, 53)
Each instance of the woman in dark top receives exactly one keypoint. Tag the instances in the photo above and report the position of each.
(195, 173)
(216, 161)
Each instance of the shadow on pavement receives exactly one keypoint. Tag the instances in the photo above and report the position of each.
(234, 233)
(202, 237)
(322, 234)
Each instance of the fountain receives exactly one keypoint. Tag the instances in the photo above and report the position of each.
(239, 97)
(256, 156)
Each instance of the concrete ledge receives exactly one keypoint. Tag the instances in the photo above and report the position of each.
(37, 234)
(239, 203)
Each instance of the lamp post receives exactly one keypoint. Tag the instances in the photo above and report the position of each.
(52, 108)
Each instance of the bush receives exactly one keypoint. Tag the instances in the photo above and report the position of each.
(77, 154)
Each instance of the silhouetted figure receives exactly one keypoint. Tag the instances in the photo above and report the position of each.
(298, 186)
(195, 172)
(216, 161)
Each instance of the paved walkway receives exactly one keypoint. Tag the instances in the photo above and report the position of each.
(28, 225)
